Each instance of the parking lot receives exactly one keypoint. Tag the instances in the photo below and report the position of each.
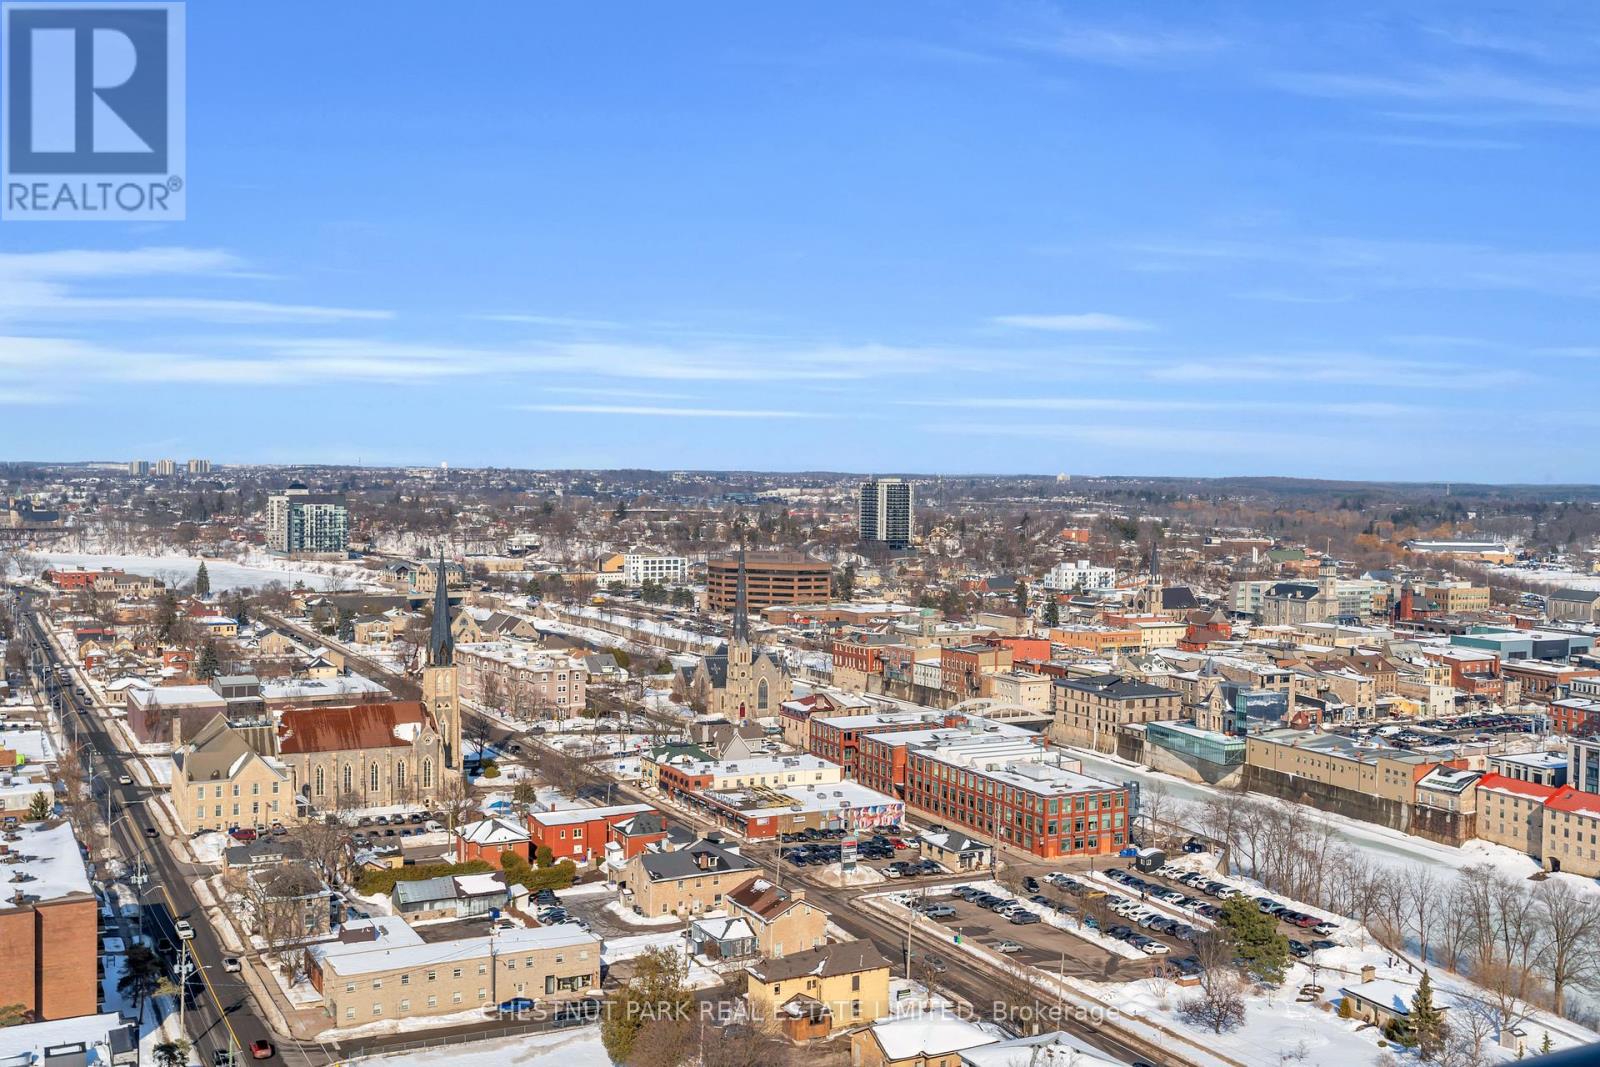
(1170, 890)
(886, 852)
(1037, 943)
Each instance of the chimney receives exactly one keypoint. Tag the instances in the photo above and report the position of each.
(1368, 973)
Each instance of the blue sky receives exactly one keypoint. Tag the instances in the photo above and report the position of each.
(1196, 238)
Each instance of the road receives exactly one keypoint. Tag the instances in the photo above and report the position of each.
(965, 977)
(226, 1016)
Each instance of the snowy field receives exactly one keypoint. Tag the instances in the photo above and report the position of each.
(1555, 577)
(224, 574)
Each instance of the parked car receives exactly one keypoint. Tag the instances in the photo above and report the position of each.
(1007, 946)
(1299, 949)
(514, 1005)
(1152, 947)
(1023, 918)
(938, 911)
(577, 1012)
(1030, 884)
(232, 964)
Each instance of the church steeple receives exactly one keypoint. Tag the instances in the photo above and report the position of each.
(439, 681)
(741, 605)
(441, 642)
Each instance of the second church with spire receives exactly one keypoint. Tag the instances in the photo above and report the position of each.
(740, 681)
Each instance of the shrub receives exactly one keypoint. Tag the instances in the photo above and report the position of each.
(374, 882)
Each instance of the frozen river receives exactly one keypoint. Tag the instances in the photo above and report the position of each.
(223, 573)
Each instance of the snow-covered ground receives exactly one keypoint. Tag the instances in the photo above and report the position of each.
(627, 916)
(579, 1047)
(626, 948)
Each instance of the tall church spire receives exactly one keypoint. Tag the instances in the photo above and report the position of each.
(441, 642)
(741, 604)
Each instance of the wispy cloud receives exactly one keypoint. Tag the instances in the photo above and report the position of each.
(1510, 97)
(51, 286)
(1154, 405)
(1340, 368)
(559, 321)
(1345, 263)
(675, 413)
(1080, 322)
(1118, 46)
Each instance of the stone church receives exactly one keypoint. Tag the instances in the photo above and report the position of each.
(377, 755)
(740, 681)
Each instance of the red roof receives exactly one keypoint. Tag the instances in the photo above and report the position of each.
(303, 730)
(1531, 790)
(1575, 801)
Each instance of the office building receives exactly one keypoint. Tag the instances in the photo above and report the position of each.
(299, 520)
(885, 512)
(771, 577)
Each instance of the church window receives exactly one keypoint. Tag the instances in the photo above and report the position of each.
(761, 695)
(322, 785)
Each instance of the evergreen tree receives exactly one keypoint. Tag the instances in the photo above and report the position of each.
(208, 666)
(844, 582)
(1262, 951)
(1022, 598)
(1426, 1020)
(1052, 612)
(202, 580)
(166, 615)
(38, 808)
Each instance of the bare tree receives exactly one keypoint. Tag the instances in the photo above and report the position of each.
(1571, 941)
(1220, 1002)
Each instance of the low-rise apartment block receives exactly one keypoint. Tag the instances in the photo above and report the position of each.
(381, 969)
(687, 881)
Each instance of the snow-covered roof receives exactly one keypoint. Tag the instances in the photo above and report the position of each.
(492, 832)
(51, 862)
(928, 1035)
(398, 946)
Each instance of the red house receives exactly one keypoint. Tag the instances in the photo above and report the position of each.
(487, 838)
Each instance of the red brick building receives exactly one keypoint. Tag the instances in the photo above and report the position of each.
(1018, 794)
(838, 740)
(582, 834)
(48, 937)
(962, 668)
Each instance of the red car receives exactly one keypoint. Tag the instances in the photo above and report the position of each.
(242, 833)
(261, 1050)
